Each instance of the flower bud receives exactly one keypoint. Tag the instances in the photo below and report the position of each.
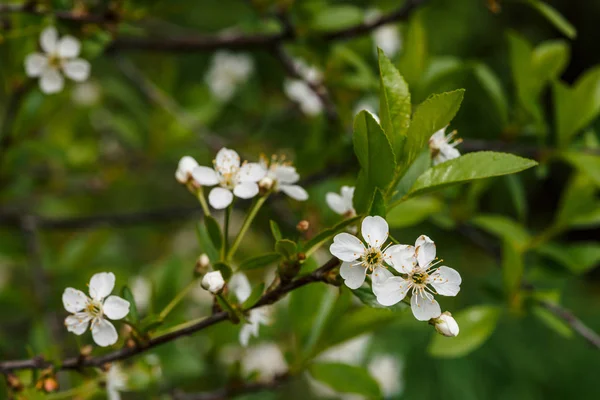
(446, 325)
(185, 168)
(213, 282)
(202, 264)
(303, 226)
(266, 183)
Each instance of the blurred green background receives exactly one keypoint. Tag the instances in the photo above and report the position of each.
(110, 147)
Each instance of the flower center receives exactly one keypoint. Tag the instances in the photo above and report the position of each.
(94, 308)
(419, 277)
(372, 258)
(54, 61)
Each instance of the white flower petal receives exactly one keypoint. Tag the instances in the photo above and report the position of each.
(219, 198)
(285, 174)
(35, 64)
(251, 172)
(240, 286)
(392, 291)
(104, 333)
(49, 39)
(101, 285)
(425, 250)
(51, 81)
(446, 152)
(336, 203)
(294, 191)
(423, 308)
(205, 176)
(77, 323)
(354, 275)
(348, 195)
(245, 333)
(115, 307)
(185, 168)
(213, 282)
(227, 161)
(78, 70)
(246, 190)
(402, 257)
(446, 281)
(68, 47)
(347, 247)
(378, 278)
(438, 137)
(74, 300)
(375, 230)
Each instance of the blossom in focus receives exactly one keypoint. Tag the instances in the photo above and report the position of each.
(185, 168)
(227, 71)
(443, 147)
(282, 176)
(240, 286)
(213, 282)
(446, 325)
(419, 275)
(342, 203)
(95, 310)
(59, 57)
(266, 359)
(359, 259)
(232, 178)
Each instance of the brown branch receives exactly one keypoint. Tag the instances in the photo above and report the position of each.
(575, 323)
(33, 8)
(234, 389)
(127, 352)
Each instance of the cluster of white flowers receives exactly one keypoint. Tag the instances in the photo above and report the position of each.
(417, 268)
(443, 147)
(299, 90)
(59, 57)
(227, 71)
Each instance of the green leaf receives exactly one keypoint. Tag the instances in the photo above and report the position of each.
(214, 231)
(552, 321)
(554, 17)
(504, 228)
(133, 315)
(548, 61)
(260, 261)
(224, 268)
(337, 17)
(344, 378)
(367, 297)
(476, 325)
(579, 206)
(417, 168)
(577, 257)
(275, 230)
(415, 55)
(324, 236)
(491, 84)
(286, 248)
(512, 268)
(587, 164)
(413, 211)
(518, 196)
(430, 116)
(254, 296)
(150, 323)
(394, 103)
(378, 206)
(375, 157)
(479, 165)
(206, 244)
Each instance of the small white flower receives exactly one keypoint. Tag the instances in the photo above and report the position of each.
(386, 370)
(300, 92)
(359, 259)
(185, 168)
(443, 147)
(446, 325)
(86, 94)
(93, 310)
(342, 203)
(240, 286)
(282, 176)
(203, 260)
(141, 288)
(266, 359)
(227, 71)
(213, 282)
(59, 57)
(116, 381)
(387, 38)
(417, 264)
(231, 176)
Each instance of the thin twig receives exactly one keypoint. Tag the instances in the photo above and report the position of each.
(32, 7)
(575, 323)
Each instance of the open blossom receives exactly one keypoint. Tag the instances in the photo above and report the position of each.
(231, 176)
(282, 176)
(116, 382)
(359, 259)
(386, 370)
(185, 168)
(446, 325)
(420, 275)
(299, 90)
(387, 38)
(266, 360)
(227, 71)
(213, 282)
(59, 58)
(341, 203)
(443, 147)
(95, 309)
(240, 286)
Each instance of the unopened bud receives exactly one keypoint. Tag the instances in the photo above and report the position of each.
(303, 226)
(14, 383)
(265, 184)
(86, 350)
(445, 324)
(301, 256)
(50, 385)
(213, 282)
(202, 265)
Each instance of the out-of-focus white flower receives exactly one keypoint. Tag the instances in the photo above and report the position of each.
(446, 325)
(94, 310)
(387, 38)
(358, 258)
(301, 93)
(342, 203)
(141, 287)
(86, 94)
(59, 58)
(419, 273)
(240, 286)
(232, 178)
(386, 370)
(227, 71)
(350, 352)
(116, 381)
(281, 176)
(266, 359)
(443, 147)
(185, 168)
(213, 282)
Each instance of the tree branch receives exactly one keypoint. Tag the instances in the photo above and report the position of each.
(33, 8)
(575, 323)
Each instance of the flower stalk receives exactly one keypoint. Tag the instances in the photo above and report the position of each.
(247, 222)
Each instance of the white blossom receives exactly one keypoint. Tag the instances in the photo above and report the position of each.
(185, 168)
(116, 382)
(446, 325)
(359, 259)
(341, 203)
(266, 359)
(86, 94)
(282, 176)
(240, 286)
(301, 93)
(386, 370)
(232, 178)
(95, 309)
(443, 147)
(419, 274)
(227, 71)
(59, 57)
(141, 288)
(213, 282)
(387, 38)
